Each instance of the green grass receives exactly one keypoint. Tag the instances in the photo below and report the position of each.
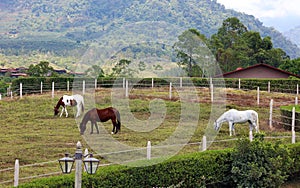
(31, 133)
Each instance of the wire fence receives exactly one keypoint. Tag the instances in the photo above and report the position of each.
(168, 91)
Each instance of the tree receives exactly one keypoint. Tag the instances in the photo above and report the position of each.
(41, 69)
(122, 69)
(292, 66)
(192, 52)
(95, 71)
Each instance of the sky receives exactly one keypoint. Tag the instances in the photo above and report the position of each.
(283, 15)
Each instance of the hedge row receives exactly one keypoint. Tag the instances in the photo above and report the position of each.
(277, 85)
(201, 169)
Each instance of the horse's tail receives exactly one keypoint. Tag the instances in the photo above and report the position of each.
(118, 119)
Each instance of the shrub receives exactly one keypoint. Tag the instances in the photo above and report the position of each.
(260, 164)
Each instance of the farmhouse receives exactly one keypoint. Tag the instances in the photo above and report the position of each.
(258, 71)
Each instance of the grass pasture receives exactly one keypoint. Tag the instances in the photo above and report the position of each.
(30, 132)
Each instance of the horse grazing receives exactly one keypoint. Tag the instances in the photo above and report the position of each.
(73, 100)
(101, 115)
(233, 116)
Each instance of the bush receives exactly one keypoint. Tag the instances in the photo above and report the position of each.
(260, 164)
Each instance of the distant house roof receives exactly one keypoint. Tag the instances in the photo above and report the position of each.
(258, 71)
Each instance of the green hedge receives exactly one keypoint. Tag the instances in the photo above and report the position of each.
(201, 169)
(32, 84)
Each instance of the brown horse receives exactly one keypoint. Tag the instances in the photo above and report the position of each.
(101, 115)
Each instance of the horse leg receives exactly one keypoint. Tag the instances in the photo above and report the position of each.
(114, 129)
(233, 130)
(62, 112)
(230, 129)
(66, 112)
(97, 127)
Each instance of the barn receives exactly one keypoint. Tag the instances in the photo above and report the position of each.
(258, 71)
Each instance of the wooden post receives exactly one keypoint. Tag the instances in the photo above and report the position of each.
(83, 87)
(11, 94)
(212, 93)
(126, 89)
(152, 82)
(16, 173)
(21, 90)
(239, 83)
(41, 87)
(296, 100)
(124, 82)
(293, 126)
(257, 95)
(170, 91)
(269, 87)
(271, 114)
(148, 150)
(0, 96)
(96, 83)
(204, 143)
(52, 89)
(68, 85)
(180, 80)
(297, 89)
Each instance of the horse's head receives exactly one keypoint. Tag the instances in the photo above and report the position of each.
(216, 126)
(55, 111)
(82, 128)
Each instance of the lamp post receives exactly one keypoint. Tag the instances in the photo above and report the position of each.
(90, 164)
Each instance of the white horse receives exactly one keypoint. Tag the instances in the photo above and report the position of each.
(233, 116)
(73, 100)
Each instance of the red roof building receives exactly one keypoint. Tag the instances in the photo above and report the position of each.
(258, 71)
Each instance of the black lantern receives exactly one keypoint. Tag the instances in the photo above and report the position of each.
(66, 164)
(91, 164)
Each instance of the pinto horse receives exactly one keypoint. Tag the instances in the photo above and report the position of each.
(101, 115)
(233, 116)
(73, 100)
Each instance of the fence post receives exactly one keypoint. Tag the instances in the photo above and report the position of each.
(170, 91)
(212, 92)
(41, 87)
(271, 114)
(296, 100)
(16, 173)
(21, 90)
(297, 89)
(96, 83)
(239, 83)
(52, 89)
(250, 136)
(293, 126)
(83, 87)
(11, 94)
(257, 95)
(269, 87)
(148, 150)
(204, 143)
(152, 82)
(126, 88)
(68, 85)
(124, 83)
(0, 96)
(180, 80)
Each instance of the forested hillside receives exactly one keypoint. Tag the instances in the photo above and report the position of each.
(69, 27)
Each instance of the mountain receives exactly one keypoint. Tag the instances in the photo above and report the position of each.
(71, 27)
(294, 35)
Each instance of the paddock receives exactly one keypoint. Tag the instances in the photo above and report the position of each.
(38, 140)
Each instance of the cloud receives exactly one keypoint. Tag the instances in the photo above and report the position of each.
(271, 12)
